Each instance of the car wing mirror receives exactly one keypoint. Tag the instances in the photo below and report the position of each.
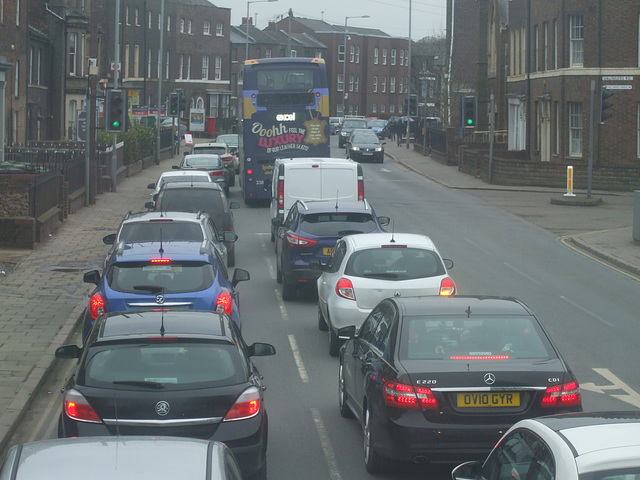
(259, 349)
(234, 205)
(109, 239)
(176, 167)
(92, 277)
(230, 237)
(347, 333)
(448, 263)
(384, 221)
(151, 186)
(467, 471)
(276, 221)
(240, 275)
(68, 351)
(149, 205)
(316, 265)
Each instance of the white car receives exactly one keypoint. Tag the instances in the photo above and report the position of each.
(219, 148)
(178, 176)
(364, 269)
(572, 446)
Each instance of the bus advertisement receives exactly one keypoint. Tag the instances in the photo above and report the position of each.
(285, 114)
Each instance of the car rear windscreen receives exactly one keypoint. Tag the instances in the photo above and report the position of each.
(337, 224)
(216, 150)
(140, 232)
(395, 263)
(193, 200)
(204, 161)
(166, 278)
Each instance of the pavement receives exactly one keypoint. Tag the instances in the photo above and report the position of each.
(42, 295)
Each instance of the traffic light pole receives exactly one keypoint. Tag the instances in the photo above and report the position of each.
(114, 154)
(591, 121)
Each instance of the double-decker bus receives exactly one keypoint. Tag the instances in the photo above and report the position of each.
(285, 113)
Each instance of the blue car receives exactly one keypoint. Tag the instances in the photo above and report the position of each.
(163, 275)
(310, 232)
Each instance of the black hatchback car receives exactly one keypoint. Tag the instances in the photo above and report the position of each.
(365, 146)
(440, 379)
(310, 232)
(169, 373)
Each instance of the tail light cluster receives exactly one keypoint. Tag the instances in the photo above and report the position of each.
(281, 194)
(344, 289)
(407, 396)
(216, 173)
(297, 241)
(97, 306)
(565, 395)
(247, 405)
(77, 408)
(447, 287)
(360, 190)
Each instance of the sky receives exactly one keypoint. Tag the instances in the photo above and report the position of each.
(428, 17)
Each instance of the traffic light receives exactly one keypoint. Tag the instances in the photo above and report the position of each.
(116, 110)
(413, 105)
(174, 106)
(469, 111)
(604, 105)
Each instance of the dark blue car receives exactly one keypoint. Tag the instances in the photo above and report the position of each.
(166, 275)
(310, 232)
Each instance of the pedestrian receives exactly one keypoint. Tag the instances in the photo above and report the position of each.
(399, 130)
(391, 128)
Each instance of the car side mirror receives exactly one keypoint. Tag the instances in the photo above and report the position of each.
(68, 351)
(151, 186)
(229, 237)
(347, 333)
(240, 275)
(149, 205)
(276, 221)
(259, 349)
(176, 167)
(384, 221)
(92, 277)
(467, 471)
(448, 263)
(109, 239)
(234, 205)
(316, 265)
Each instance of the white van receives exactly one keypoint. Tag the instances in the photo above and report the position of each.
(313, 179)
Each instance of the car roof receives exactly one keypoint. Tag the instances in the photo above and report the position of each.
(168, 323)
(333, 206)
(210, 144)
(119, 458)
(316, 160)
(175, 251)
(372, 240)
(436, 305)
(598, 440)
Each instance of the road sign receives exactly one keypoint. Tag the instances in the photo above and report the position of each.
(617, 87)
(113, 67)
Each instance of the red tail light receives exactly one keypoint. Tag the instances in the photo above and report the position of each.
(224, 303)
(408, 396)
(566, 395)
(296, 241)
(344, 289)
(97, 306)
(281, 194)
(247, 405)
(447, 287)
(216, 173)
(160, 260)
(77, 408)
(360, 190)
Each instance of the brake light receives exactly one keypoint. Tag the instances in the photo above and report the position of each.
(447, 287)
(344, 289)
(160, 260)
(296, 241)
(281, 194)
(77, 408)
(216, 173)
(562, 395)
(97, 306)
(249, 171)
(224, 303)
(247, 405)
(408, 396)
(360, 190)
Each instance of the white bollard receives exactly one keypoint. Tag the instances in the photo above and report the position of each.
(569, 182)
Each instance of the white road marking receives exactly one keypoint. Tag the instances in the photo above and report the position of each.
(334, 472)
(523, 274)
(608, 324)
(298, 359)
(478, 246)
(283, 309)
(631, 397)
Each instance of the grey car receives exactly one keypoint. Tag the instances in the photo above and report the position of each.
(120, 458)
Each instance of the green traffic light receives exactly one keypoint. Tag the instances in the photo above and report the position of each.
(469, 121)
(115, 124)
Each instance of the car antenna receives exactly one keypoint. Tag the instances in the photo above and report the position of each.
(161, 249)
(393, 231)
(162, 330)
(337, 193)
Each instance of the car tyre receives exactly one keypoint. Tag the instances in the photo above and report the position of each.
(288, 290)
(322, 323)
(278, 272)
(373, 462)
(345, 411)
(334, 343)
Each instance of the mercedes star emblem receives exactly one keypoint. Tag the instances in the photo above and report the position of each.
(162, 408)
(489, 378)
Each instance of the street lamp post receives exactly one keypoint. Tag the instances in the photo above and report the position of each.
(246, 40)
(409, 81)
(344, 63)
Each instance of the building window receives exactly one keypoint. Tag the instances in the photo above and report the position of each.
(401, 84)
(206, 30)
(218, 69)
(219, 32)
(401, 64)
(181, 67)
(576, 39)
(149, 20)
(384, 56)
(16, 83)
(168, 23)
(536, 49)
(384, 84)
(159, 63)
(267, 53)
(375, 84)
(340, 86)
(374, 108)
(31, 65)
(137, 17)
(575, 129)
(351, 82)
(555, 44)
(149, 53)
(392, 108)
(318, 54)
(392, 84)
(352, 53)
(375, 56)
(205, 67)
(545, 46)
(557, 118)
(166, 69)
(393, 56)
(357, 86)
(136, 61)
(293, 53)
(341, 53)
(188, 67)
(182, 25)
(383, 108)
(126, 16)
(189, 31)
(159, 21)
(73, 53)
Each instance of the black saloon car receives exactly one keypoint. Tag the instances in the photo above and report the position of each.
(365, 146)
(440, 379)
(169, 373)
